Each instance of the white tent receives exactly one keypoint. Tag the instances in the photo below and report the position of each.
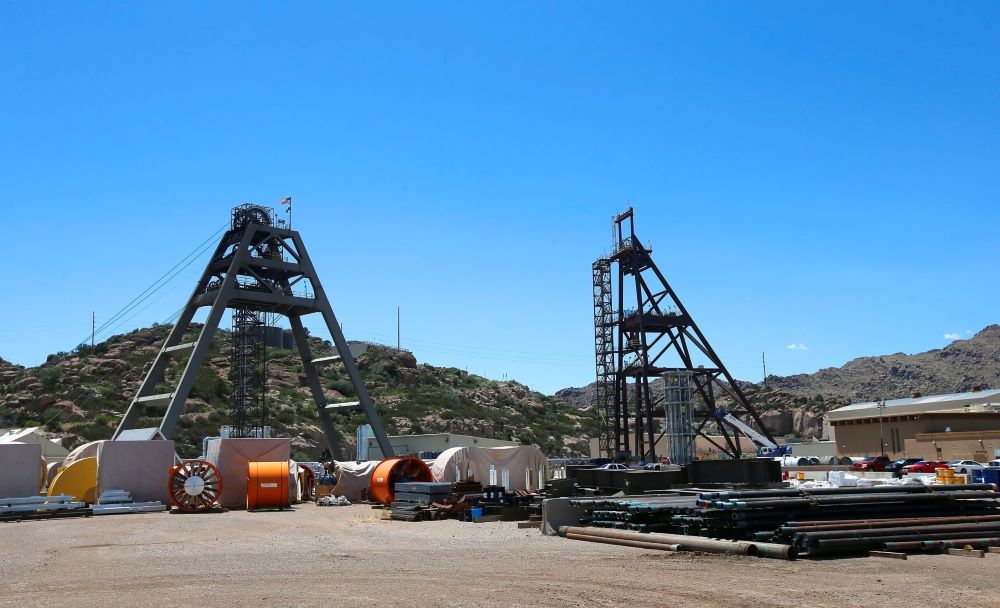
(516, 468)
(52, 450)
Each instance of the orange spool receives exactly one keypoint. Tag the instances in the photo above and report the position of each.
(393, 470)
(267, 485)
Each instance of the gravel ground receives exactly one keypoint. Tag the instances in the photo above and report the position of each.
(348, 556)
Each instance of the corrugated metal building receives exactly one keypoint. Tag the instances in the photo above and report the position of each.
(855, 428)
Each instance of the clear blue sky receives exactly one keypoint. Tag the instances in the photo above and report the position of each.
(823, 177)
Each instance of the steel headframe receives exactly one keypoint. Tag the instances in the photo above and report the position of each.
(248, 271)
(649, 326)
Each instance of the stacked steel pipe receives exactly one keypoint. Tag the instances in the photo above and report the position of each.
(818, 521)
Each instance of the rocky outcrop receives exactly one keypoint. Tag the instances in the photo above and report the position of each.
(80, 396)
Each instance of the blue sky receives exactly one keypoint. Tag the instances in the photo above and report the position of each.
(809, 176)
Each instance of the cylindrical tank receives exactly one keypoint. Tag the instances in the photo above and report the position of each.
(267, 485)
(393, 470)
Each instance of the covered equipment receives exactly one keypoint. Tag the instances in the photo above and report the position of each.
(516, 468)
(140, 468)
(19, 470)
(232, 458)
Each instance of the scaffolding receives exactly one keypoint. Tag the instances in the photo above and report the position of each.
(248, 374)
(604, 350)
(678, 416)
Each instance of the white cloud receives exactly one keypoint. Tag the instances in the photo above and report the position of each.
(952, 336)
(797, 347)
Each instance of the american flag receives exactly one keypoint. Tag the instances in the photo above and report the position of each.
(287, 201)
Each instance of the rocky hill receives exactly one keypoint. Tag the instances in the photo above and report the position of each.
(795, 405)
(80, 396)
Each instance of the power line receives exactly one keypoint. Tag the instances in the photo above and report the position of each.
(162, 281)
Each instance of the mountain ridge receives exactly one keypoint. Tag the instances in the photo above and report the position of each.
(795, 405)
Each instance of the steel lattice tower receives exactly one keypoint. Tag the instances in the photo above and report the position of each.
(262, 268)
(655, 334)
(604, 350)
(248, 373)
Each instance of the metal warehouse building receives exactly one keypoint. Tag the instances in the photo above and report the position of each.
(921, 426)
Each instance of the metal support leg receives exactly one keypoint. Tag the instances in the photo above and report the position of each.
(315, 386)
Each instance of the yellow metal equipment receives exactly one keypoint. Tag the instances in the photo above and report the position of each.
(78, 480)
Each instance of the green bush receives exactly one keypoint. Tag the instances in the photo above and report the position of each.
(102, 419)
(50, 377)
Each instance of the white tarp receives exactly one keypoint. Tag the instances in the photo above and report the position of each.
(517, 468)
(233, 457)
(452, 465)
(20, 469)
(86, 450)
(141, 468)
(353, 478)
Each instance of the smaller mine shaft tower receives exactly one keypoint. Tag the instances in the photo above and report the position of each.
(641, 332)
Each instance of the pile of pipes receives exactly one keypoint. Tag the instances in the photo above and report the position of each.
(898, 534)
(795, 510)
(814, 521)
(42, 507)
(116, 502)
(640, 513)
(678, 542)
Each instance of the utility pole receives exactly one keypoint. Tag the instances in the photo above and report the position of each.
(93, 327)
(397, 327)
(763, 363)
(881, 435)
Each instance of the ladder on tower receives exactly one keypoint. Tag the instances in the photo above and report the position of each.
(604, 355)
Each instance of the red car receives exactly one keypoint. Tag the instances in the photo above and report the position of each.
(925, 466)
(871, 463)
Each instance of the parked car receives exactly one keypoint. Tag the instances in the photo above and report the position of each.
(871, 463)
(896, 465)
(614, 466)
(965, 466)
(925, 466)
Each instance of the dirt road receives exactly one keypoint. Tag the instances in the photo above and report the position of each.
(347, 556)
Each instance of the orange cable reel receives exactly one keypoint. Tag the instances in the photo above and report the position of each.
(267, 485)
(194, 485)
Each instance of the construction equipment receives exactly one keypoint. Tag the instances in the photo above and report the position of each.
(78, 480)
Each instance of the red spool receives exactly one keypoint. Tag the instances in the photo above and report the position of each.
(194, 485)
